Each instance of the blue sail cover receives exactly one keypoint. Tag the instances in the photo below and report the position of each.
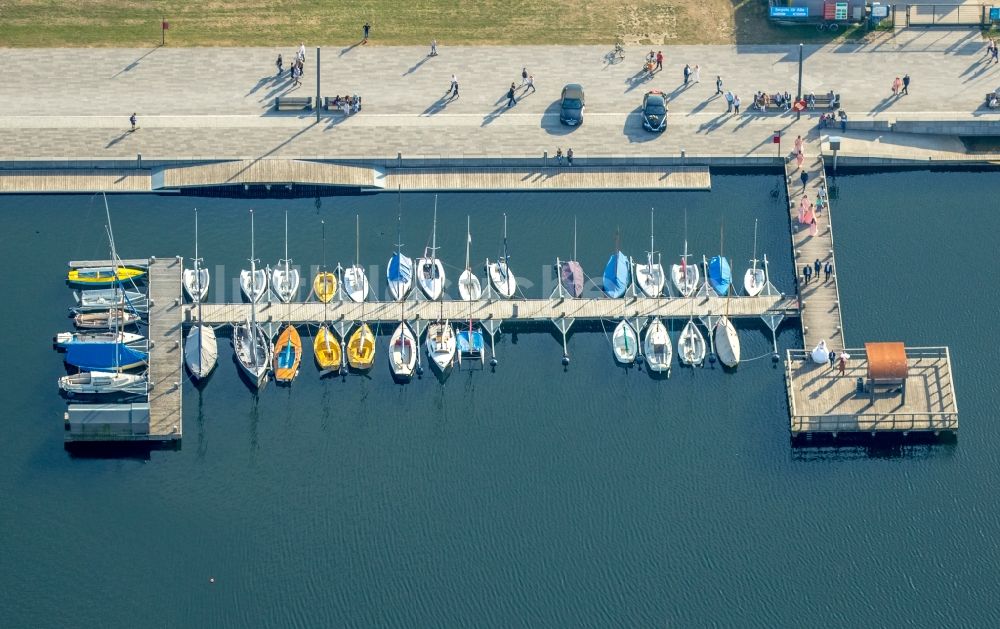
(286, 356)
(616, 275)
(104, 356)
(470, 343)
(400, 268)
(719, 274)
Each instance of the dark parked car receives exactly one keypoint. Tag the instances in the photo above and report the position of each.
(572, 104)
(654, 111)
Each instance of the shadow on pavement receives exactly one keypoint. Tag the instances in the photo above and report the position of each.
(550, 120)
(437, 106)
(134, 64)
(634, 131)
(416, 66)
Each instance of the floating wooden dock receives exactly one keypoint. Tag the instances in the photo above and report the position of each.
(823, 402)
(550, 178)
(526, 310)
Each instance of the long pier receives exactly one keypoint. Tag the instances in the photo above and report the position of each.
(526, 310)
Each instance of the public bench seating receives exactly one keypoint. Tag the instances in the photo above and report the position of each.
(287, 103)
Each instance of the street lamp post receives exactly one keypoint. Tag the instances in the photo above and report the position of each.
(798, 94)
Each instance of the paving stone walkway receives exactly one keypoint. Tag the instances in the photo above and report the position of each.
(212, 103)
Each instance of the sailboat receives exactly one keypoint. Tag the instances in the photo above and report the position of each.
(691, 345)
(251, 344)
(625, 342)
(430, 271)
(469, 287)
(469, 342)
(361, 347)
(63, 340)
(399, 272)
(617, 273)
(287, 354)
(501, 278)
(571, 273)
(649, 276)
(101, 356)
(727, 341)
(253, 282)
(684, 276)
(285, 279)
(326, 347)
(719, 275)
(97, 382)
(441, 343)
(115, 318)
(657, 347)
(403, 349)
(354, 281)
(325, 282)
(196, 280)
(753, 279)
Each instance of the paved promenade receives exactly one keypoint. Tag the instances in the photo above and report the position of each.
(211, 103)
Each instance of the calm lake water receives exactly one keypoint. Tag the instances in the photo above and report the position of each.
(532, 496)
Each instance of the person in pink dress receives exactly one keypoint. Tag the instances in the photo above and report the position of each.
(799, 159)
(803, 205)
(813, 227)
(798, 144)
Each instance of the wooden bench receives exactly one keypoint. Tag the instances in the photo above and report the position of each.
(283, 103)
(825, 101)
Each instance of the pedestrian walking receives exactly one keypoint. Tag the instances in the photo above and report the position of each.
(827, 271)
(659, 60)
(807, 271)
(511, 101)
(302, 52)
(842, 362)
(718, 85)
(798, 144)
(995, 60)
(990, 44)
(279, 64)
(729, 101)
(530, 85)
(804, 177)
(434, 48)
(365, 29)
(897, 85)
(799, 159)
(697, 73)
(817, 265)
(906, 83)
(559, 156)
(453, 89)
(131, 120)
(524, 76)
(833, 359)
(736, 104)
(687, 73)
(569, 156)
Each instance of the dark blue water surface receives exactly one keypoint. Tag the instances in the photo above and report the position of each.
(533, 496)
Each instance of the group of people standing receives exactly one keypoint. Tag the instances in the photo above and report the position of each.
(296, 68)
(814, 269)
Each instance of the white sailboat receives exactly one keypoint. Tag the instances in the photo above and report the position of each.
(106, 320)
(657, 347)
(469, 287)
(250, 343)
(196, 280)
(430, 271)
(403, 350)
(64, 339)
(253, 282)
(727, 341)
(650, 276)
(95, 382)
(105, 298)
(441, 343)
(501, 277)
(354, 281)
(284, 279)
(691, 346)
(753, 279)
(625, 342)
(685, 277)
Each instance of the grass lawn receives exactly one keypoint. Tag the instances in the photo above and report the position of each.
(128, 23)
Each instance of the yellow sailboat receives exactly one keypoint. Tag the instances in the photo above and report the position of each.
(361, 347)
(103, 276)
(325, 286)
(326, 349)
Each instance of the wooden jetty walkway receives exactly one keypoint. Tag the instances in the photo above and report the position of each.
(820, 318)
(278, 172)
(498, 310)
(166, 357)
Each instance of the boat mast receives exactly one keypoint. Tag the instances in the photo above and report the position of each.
(357, 241)
(253, 302)
(197, 274)
(115, 315)
(574, 238)
(468, 241)
(754, 259)
(286, 249)
(652, 249)
(434, 233)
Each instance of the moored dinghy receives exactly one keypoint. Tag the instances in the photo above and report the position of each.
(441, 343)
(104, 276)
(650, 276)
(361, 348)
(287, 354)
(399, 272)
(691, 346)
(657, 347)
(63, 340)
(685, 277)
(326, 349)
(501, 278)
(285, 279)
(107, 320)
(430, 271)
(325, 286)
(403, 351)
(97, 382)
(625, 342)
(105, 298)
(196, 280)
